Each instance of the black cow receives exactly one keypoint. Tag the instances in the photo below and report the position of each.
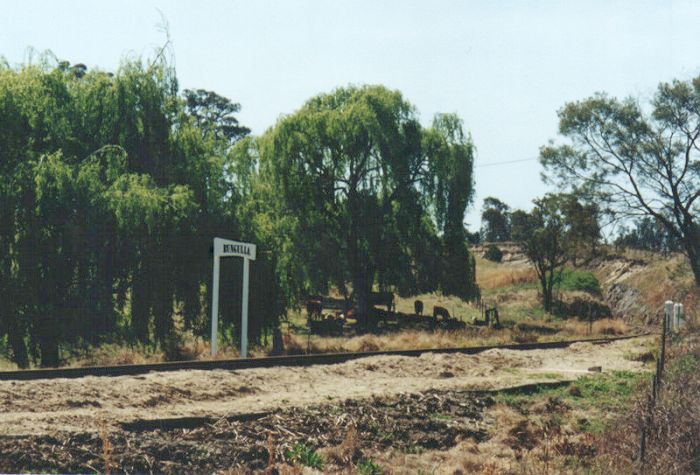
(418, 307)
(440, 312)
(383, 298)
(314, 308)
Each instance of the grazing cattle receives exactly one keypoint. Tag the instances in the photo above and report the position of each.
(314, 308)
(383, 298)
(349, 313)
(440, 312)
(418, 307)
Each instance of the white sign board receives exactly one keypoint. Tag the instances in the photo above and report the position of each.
(228, 248)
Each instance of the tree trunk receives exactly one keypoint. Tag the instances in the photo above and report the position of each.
(48, 342)
(693, 253)
(546, 282)
(19, 347)
(140, 306)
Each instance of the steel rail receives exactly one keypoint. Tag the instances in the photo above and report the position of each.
(273, 361)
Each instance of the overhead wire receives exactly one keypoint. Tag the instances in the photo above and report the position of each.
(507, 162)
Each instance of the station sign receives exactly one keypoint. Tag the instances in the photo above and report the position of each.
(228, 248)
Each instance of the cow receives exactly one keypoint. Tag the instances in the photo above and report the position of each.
(383, 298)
(314, 308)
(418, 307)
(440, 312)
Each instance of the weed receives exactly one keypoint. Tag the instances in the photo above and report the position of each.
(367, 467)
(300, 454)
(106, 448)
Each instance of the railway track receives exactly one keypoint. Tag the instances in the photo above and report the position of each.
(273, 361)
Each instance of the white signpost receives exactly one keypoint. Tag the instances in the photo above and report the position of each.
(228, 248)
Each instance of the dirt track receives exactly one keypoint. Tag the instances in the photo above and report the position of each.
(79, 405)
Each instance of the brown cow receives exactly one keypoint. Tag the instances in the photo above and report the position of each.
(418, 307)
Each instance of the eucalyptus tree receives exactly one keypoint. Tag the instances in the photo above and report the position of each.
(543, 235)
(495, 220)
(636, 163)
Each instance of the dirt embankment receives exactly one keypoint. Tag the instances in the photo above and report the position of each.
(634, 283)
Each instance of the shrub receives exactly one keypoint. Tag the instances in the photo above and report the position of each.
(493, 253)
(579, 280)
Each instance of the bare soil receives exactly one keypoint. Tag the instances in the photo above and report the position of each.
(202, 421)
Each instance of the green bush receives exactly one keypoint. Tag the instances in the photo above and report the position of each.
(579, 280)
(493, 253)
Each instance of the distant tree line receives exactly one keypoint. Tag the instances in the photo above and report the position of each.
(112, 186)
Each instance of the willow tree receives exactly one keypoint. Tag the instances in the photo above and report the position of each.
(110, 192)
(450, 155)
(350, 179)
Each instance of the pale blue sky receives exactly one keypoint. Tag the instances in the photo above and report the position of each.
(504, 66)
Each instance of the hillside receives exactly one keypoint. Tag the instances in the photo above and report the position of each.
(634, 284)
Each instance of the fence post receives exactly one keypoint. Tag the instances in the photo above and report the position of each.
(678, 316)
(668, 312)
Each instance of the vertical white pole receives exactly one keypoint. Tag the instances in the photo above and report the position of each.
(244, 309)
(668, 314)
(215, 305)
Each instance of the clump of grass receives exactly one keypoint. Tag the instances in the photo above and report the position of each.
(602, 392)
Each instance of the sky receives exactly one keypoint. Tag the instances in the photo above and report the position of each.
(505, 67)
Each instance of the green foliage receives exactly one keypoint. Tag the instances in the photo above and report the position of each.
(300, 454)
(648, 234)
(542, 235)
(633, 162)
(493, 253)
(605, 392)
(495, 223)
(350, 189)
(367, 467)
(571, 279)
(111, 189)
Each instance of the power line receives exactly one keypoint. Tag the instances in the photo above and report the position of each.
(505, 163)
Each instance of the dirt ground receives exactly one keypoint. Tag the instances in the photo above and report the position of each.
(47, 407)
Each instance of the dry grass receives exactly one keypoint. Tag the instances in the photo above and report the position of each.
(493, 275)
(527, 331)
(673, 423)
(606, 326)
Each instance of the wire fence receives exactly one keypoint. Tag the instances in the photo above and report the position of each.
(672, 322)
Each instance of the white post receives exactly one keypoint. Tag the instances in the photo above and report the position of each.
(228, 248)
(244, 309)
(215, 305)
(668, 314)
(678, 317)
